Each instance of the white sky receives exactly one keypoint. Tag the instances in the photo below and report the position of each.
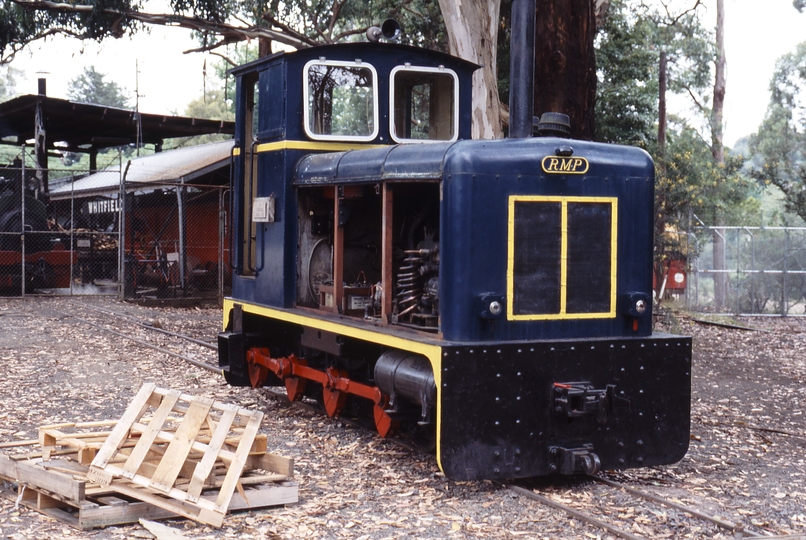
(755, 37)
(168, 79)
(756, 34)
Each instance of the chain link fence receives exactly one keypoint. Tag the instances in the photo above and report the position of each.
(176, 242)
(69, 242)
(747, 270)
(35, 249)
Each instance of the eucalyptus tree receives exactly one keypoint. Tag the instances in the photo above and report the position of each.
(780, 144)
(627, 69)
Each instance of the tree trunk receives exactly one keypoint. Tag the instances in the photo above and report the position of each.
(565, 62)
(660, 268)
(719, 86)
(472, 27)
(263, 47)
(662, 107)
(718, 151)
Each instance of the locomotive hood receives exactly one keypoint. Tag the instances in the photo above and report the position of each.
(431, 161)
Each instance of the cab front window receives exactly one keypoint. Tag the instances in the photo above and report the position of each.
(341, 101)
(425, 104)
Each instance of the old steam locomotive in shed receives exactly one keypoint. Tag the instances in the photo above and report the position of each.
(32, 256)
(493, 293)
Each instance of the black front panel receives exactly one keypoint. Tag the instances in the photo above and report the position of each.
(536, 265)
(588, 278)
(499, 415)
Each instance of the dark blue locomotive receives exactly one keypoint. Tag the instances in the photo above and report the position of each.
(496, 293)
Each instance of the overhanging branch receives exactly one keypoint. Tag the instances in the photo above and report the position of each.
(229, 33)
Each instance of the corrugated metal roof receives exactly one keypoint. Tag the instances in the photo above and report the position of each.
(174, 166)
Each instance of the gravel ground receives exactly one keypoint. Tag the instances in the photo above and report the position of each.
(746, 461)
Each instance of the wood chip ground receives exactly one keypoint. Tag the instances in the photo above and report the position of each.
(747, 460)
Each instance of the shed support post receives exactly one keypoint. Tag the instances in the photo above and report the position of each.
(40, 141)
(180, 198)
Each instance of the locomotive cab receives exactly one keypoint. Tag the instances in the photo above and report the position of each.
(496, 293)
(325, 99)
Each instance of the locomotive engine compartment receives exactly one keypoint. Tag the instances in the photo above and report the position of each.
(414, 253)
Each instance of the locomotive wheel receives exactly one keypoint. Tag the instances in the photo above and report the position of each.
(234, 380)
(383, 422)
(295, 388)
(257, 373)
(333, 399)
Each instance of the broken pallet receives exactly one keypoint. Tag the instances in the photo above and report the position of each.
(169, 460)
(171, 454)
(58, 488)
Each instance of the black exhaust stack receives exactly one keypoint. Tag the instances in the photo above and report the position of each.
(522, 69)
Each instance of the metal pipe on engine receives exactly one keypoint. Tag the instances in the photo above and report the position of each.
(522, 69)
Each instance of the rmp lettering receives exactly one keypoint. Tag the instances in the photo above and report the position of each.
(565, 165)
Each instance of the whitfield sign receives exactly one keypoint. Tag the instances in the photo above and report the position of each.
(104, 206)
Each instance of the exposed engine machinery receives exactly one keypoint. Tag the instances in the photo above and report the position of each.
(493, 295)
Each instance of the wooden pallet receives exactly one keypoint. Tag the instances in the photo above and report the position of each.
(86, 438)
(58, 488)
(188, 443)
(171, 454)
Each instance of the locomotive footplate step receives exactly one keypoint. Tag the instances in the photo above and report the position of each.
(170, 455)
(527, 409)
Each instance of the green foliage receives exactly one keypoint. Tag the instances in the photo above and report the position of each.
(212, 105)
(690, 183)
(19, 26)
(324, 21)
(628, 46)
(780, 144)
(90, 87)
(688, 179)
(627, 67)
(220, 23)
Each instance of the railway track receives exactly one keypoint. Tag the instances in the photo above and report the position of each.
(618, 509)
(649, 514)
(209, 366)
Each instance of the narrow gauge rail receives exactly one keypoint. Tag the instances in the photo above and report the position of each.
(186, 358)
(737, 529)
(281, 395)
(150, 325)
(521, 488)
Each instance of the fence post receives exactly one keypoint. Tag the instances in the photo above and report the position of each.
(72, 231)
(737, 288)
(784, 294)
(22, 226)
(122, 232)
(180, 202)
(753, 267)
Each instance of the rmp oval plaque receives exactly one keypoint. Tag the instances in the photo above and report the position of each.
(564, 165)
